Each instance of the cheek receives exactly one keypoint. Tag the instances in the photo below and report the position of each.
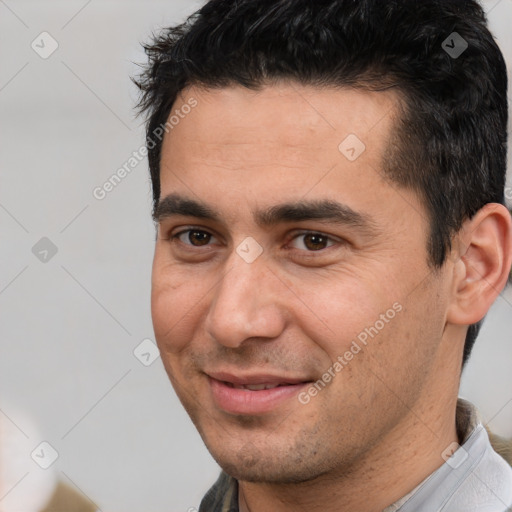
(407, 345)
(342, 310)
(176, 304)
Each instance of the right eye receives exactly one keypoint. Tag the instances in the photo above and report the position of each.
(194, 237)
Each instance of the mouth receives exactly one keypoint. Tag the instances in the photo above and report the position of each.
(253, 394)
(255, 387)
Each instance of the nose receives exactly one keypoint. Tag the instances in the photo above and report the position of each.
(247, 303)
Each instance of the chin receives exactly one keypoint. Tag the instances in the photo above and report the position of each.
(269, 473)
(270, 465)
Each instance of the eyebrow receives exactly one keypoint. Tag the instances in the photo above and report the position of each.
(305, 210)
(174, 204)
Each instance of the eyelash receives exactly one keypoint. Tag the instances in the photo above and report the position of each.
(330, 240)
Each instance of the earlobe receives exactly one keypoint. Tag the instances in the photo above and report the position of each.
(482, 269)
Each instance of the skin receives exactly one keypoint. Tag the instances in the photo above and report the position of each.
(381, 424)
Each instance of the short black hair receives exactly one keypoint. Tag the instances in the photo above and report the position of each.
(450, 143)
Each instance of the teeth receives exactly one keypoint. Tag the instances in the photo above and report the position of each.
(256, 387)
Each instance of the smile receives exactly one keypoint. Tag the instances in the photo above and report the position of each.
(257, 394)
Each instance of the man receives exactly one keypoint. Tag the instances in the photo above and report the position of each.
(328, 183)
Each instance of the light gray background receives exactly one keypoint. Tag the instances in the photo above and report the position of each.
(69, 326)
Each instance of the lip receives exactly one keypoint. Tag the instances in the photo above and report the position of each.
(259, 378)
(244, 401)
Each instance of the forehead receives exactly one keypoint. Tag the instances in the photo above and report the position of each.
(279, 143)
(284, 115)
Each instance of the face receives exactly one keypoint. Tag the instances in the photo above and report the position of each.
(292, 301)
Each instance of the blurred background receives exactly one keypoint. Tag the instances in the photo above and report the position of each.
(84, 398)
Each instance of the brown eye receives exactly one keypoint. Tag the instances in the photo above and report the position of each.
(312, 241)
(199, 237)
(194, 237)
(315, 242)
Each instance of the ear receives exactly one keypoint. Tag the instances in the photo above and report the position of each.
(484, 257)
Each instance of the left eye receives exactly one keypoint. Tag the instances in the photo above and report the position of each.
(194, 237)
(312, 241)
